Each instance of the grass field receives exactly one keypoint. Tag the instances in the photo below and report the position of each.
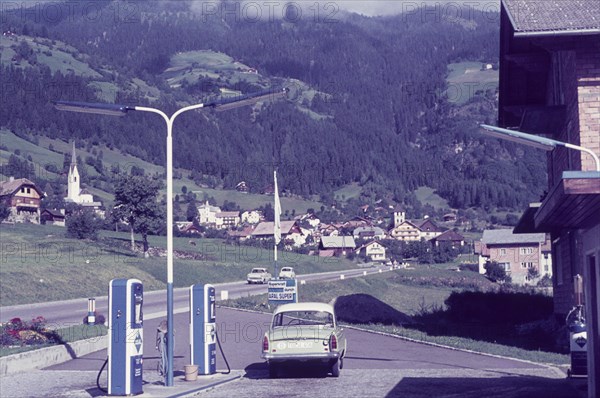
(38, 263)
(427, 195)
(348, 192)
(42, 156)
(192, 66)
(58, 56)
(465, 78)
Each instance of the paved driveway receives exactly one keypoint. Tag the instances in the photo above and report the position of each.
(376, 366)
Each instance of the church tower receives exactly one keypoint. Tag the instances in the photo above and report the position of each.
(73, 187)
(399, 216)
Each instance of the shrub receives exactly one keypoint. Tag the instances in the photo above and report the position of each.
(82, 224)
(498, 307)
(495, 272)
(546, 281)
(100, 319)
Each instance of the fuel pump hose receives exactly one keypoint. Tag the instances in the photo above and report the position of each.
(223, 354)
(98, 377)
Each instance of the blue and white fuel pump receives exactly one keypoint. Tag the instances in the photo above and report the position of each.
(125, 328)
(203, 329)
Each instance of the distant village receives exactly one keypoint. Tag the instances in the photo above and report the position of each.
(365, 237)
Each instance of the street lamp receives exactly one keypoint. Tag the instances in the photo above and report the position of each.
(121, 110)
(535, 141)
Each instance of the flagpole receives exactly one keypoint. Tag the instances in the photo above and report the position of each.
(277, 222)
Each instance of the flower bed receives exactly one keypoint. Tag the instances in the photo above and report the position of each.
(19, 333)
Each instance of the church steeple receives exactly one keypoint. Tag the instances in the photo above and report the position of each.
(73, 156)
(73, 187)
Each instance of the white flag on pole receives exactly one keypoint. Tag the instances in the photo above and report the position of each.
(277, 209)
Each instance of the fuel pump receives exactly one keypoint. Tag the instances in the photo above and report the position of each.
(203, 329)
(125, 328)
(577, 332)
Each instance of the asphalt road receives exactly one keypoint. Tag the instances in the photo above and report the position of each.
(61, 314)
(376, 366)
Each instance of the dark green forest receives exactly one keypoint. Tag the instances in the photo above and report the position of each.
(382, 118)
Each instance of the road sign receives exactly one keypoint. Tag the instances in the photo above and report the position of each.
(283, 291)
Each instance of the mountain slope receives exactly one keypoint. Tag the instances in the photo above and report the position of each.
(371, 105)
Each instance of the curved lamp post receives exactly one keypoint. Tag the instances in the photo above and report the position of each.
(535, 141)
(121, 110)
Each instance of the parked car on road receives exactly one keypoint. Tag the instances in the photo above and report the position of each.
(258, 275)
(304, 332)
(287, 273)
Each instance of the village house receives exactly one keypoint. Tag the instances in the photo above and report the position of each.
(519, 255)
(309, 218)
(329, 229)
(356, 222)
(429, 229)
(187, 227)
(242, 187)
(406, 232)
(251, 217)
(374, 250)
(241, 235)
(227, 219)
(207, 214)
(368, 233)
(53, 217)
(450, 238)
(330, 246)
(550, 85)
(403, 229)
(23, 198)
(290, 231)
(450, 217)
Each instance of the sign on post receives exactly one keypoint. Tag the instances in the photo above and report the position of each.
(283, 291)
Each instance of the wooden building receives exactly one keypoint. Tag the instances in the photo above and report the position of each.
(550, 85)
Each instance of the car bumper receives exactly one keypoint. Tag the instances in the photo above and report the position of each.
(325, 356)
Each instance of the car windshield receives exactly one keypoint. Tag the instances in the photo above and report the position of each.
(286, 269)
(300, 318)
(258, 271)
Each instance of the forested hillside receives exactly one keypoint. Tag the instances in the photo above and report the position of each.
(368, 104)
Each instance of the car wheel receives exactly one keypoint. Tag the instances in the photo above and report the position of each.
(335, 369)
(273, 371)
(341, 360)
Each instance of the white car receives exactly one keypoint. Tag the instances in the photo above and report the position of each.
(304, 332)
(258, 275)
(287, 273)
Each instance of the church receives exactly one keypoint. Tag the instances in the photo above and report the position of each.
(74, 192)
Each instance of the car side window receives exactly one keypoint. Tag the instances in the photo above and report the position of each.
(277, 320)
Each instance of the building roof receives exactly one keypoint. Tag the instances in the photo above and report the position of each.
(54, 213)
(11, 186)
(373, 231)
(224, 214)
(244, 233)
(450, 236)
(506, 236)
(338, 242)
(553, 17)
(373, 242)
(266, 228)
(428, 226)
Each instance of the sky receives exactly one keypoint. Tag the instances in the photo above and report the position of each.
(391, 7)
(364, 7)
